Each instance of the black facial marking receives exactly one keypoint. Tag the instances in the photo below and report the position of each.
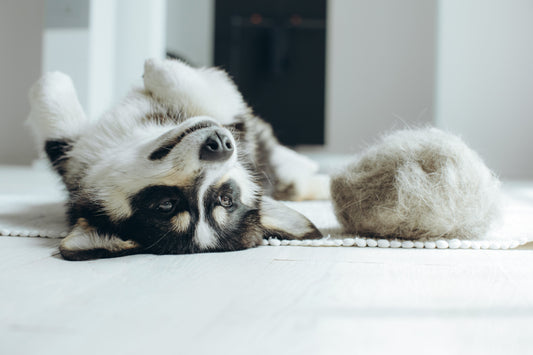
(162, 151)
(237, 128)
(99, 253)
(152, 227)
(242, 220)
(81, 206)
(151, 223)
(56, 151)
(165, 149)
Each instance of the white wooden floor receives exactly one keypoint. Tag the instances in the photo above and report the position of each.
(268, 300)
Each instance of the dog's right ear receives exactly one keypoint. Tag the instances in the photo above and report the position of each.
(280, 221)
(56, 117)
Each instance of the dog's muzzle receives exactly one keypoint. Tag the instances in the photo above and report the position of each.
(217, 147)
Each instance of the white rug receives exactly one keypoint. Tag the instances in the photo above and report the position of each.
(44, 216)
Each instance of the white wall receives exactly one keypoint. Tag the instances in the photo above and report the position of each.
(75, 64)
(66, 42)
(485, 80)
(21, 23)
(140, 33)
(190, 26)
(103, 19)
(380, 69)
(102, 45)
(123, 34)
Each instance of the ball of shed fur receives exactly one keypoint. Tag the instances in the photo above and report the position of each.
(417, 184)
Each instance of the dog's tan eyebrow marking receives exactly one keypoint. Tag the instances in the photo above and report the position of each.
(220, 215)
(222, 180)
(165, 149)
(181, 221)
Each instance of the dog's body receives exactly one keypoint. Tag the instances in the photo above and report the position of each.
(180, 166)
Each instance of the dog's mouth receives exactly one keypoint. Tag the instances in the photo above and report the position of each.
(165, 149)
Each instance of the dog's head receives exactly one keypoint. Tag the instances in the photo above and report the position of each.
(168, 171)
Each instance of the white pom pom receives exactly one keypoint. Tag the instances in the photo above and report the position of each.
(317, 242)
(441, 244)
(465, 244)
(495, 245)
(274, 242)
(348, 242)
(395, 244)
(505, 244)
(419, 245)
(383, 243)
(361, 242)
(430, 245)
(409, 244)
(371, 243)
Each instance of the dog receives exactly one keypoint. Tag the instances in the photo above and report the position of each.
(181, 165)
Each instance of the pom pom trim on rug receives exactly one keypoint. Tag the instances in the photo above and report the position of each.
(45, 217)
(361, 242)
(33, 233)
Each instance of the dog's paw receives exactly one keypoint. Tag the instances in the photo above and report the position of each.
(193, 91)
(317, 187)
(51, 85)
(55, 109)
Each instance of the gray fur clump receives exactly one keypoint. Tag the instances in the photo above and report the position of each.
(417, 184)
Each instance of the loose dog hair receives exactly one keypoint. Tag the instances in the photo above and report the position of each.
(181, 165)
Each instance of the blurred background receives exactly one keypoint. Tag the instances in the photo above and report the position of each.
(330, 75)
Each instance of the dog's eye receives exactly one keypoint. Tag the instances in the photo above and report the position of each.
(225, 200)
(166, 206)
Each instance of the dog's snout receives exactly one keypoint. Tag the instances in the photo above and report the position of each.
(216, 147)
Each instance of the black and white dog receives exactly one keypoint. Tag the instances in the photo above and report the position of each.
(179, 166)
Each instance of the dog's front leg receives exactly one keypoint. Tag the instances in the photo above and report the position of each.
(297, 176)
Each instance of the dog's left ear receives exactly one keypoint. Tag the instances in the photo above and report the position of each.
(84, 242)
(282, 222)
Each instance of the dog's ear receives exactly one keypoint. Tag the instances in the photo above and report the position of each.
(85, 243)
(282, 222)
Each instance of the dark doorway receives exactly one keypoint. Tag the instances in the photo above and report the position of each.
(275, 51)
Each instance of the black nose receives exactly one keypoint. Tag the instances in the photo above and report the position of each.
(216, 147)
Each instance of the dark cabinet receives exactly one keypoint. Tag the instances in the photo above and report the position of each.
(275, 51)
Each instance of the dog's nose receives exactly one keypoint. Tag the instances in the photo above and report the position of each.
(216, 147)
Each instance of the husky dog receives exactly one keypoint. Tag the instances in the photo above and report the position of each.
(179, 166)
